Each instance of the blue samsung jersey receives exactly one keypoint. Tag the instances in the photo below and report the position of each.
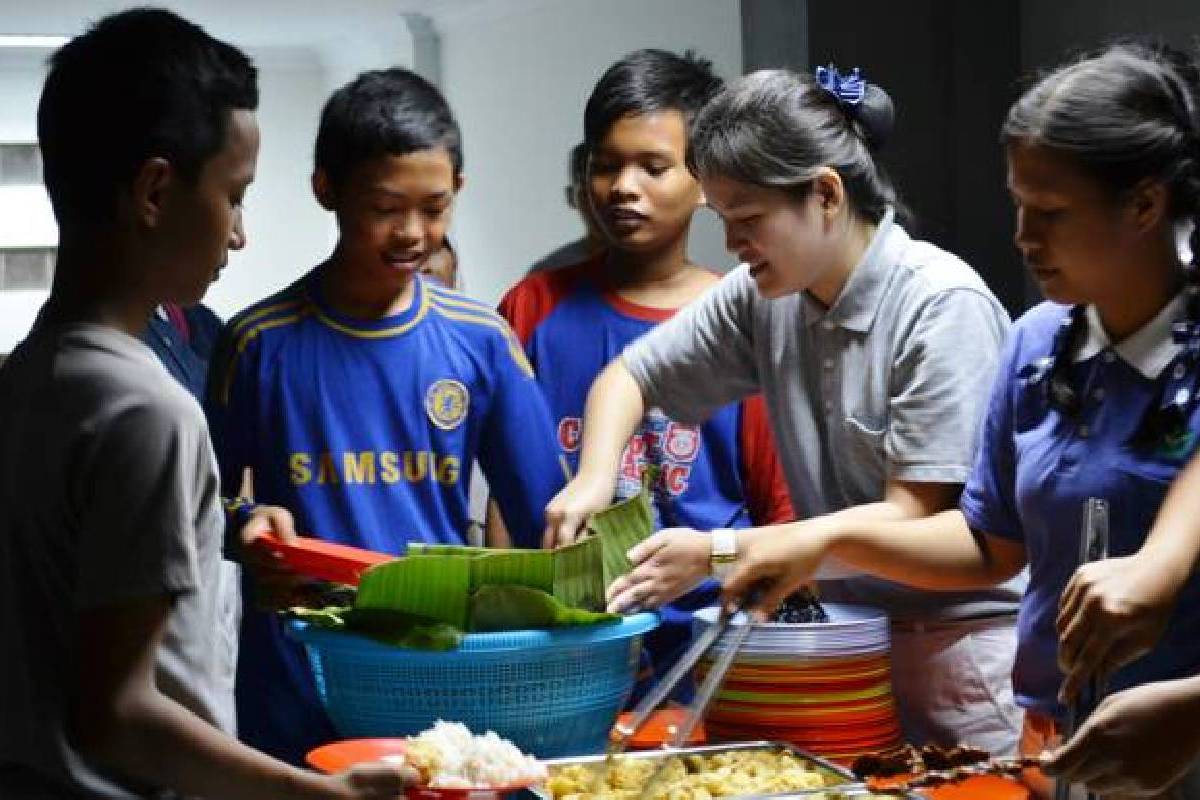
(1038, 464)
(366, 431)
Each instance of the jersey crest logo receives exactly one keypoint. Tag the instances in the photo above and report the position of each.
(446, 403)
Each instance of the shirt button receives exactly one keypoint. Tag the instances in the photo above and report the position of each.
(828, 407)
(828, 363)
(1084, 430)
(1109, 356)
(1179, 371)
(1098, 395)
(827, 326)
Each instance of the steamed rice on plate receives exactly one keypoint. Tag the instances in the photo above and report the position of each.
(448, 756)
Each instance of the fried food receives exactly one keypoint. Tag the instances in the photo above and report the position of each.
(692, 776)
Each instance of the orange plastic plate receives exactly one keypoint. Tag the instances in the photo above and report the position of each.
(340, 756)
(327, 561)
(977, 787)
(659, 729)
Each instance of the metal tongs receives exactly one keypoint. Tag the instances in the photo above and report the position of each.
(1093, 546)
(623, 732)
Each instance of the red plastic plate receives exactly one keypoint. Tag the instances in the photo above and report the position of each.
(327, 561)
(340, 756)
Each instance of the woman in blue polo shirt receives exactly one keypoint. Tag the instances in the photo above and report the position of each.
(1096, 394)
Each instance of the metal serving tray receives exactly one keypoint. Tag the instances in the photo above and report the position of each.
(832, 773)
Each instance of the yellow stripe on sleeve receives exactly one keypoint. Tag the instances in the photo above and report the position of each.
(492, 321)
(244, 341)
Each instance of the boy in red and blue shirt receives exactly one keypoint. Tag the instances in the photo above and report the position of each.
(574, 321)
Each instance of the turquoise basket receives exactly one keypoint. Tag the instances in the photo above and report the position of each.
(553, 692)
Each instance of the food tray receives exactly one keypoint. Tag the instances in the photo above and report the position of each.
(833, 774)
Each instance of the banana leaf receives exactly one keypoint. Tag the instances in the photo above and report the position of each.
(578, 575)
(437, 587)
(618, 528)
(498, 567)
(390, 627)
(506, 608)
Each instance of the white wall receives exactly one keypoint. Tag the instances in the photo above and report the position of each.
(518, 82)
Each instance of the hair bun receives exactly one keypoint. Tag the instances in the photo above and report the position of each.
(875, 115)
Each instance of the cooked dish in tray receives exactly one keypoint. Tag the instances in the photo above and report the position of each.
(688, 776)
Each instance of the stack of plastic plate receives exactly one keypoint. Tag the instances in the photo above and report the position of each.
(825, 687)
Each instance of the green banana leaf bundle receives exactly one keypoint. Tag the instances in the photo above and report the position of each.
(429, 597)
(618, 528)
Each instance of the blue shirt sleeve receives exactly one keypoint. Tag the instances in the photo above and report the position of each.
(989, 497)
(205, 328)
(229, 407)
(518, 450)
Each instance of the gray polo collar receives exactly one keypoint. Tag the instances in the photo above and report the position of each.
(856, 306)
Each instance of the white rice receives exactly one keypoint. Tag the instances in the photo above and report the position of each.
(476, 761)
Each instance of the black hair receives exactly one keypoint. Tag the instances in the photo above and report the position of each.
(139, 84)
(775, 128)
(577, 165)
(1128, 112)
(380, 113)
(646, 81)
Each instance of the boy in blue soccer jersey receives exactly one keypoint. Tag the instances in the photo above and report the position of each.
(360, 396)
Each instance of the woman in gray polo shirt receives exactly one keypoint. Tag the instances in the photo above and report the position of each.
(875, 353)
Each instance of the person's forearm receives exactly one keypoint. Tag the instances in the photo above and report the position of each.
(1174, 540)
(155, 741)
(1190, 690)
(614, 408)
(935, 552)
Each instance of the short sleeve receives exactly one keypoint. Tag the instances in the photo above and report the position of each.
(940, 382)
(767, 493)
(989, 499)
(140, 482)
(703, 357)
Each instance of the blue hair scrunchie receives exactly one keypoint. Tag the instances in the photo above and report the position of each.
(848, 90)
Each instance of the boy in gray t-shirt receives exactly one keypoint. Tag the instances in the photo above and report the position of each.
(117, 612)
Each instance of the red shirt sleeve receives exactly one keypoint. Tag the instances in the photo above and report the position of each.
(527, 304)
(523, 308)
(767, 494)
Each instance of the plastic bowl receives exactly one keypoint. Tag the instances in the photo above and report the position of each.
(553, 693)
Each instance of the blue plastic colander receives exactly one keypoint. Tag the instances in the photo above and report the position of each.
(552, 692)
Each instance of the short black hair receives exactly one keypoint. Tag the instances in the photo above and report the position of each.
(646, 81)
(138, 84)
(384, 112)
